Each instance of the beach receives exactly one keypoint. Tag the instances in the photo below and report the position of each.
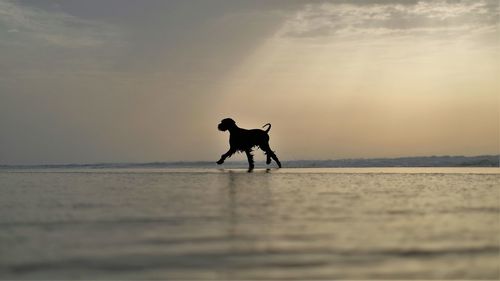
(358, 223)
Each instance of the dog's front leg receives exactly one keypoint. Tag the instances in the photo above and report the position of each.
(250, 159)
(226, 155)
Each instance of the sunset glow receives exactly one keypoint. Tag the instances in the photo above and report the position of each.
(336, 79)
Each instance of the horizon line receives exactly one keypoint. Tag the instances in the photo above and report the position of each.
(241, 161)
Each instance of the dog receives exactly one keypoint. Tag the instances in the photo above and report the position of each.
(244, 140)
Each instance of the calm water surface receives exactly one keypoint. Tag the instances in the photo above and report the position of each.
(394, 223)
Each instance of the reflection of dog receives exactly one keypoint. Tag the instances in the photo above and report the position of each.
(244, 140)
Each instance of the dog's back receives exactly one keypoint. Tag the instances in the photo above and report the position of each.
(248, 138)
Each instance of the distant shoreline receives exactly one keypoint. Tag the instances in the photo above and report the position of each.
(426, 161)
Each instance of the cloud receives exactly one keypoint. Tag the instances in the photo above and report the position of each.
(420, 18)
(51, 28)
(48, 42)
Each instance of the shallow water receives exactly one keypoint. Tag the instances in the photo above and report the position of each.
(398, 223)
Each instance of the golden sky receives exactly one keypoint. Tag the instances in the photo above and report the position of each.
(149, 81)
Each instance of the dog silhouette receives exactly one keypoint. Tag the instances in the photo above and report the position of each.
(244, 140)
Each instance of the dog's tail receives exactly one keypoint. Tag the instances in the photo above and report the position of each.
(268, 128)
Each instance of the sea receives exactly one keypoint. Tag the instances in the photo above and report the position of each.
(109, 223)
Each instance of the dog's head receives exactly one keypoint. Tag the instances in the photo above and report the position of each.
(226, 124)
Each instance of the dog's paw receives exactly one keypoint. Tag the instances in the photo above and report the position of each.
(219, 162)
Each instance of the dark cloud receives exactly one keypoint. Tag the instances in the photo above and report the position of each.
(382, 18)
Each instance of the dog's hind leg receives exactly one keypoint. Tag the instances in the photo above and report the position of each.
(248, 152)
(270, 154)
(267, 150)
(276, 159)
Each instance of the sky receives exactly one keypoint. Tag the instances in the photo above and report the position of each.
(139, 81)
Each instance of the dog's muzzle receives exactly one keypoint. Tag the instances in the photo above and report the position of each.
(221, 127)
